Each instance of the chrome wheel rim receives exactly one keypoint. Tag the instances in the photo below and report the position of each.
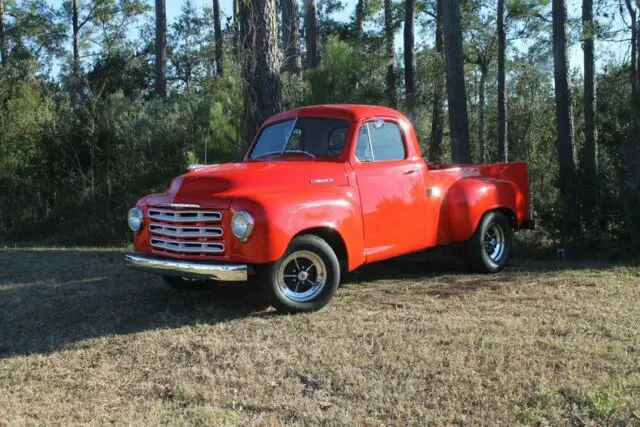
(302, 275)
(494, 242)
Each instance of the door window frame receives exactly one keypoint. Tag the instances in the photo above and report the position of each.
(366, 122)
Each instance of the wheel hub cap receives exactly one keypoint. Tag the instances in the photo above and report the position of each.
(302, 276)
(494, 242)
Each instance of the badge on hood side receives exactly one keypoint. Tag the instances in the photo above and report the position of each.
(321, 181)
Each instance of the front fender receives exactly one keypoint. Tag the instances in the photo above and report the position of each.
(469, 199)
(281, 216)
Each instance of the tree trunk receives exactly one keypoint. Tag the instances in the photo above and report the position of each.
(437, 109)
(312, 34)
(590, 150)
(456, 91)
(481, 108)
(246, 48)
(409, 56)
(564, 116)
(3, 39)
(76, 37)
(235, 35)
(634, 53)
(503, 146)
(359, 20)
(630, 175)
(161, 49)
(389, 42)
(261, 63)
(217, 37)
(290, 39)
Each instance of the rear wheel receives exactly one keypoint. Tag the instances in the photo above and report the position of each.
(305, 278)
(184, 283)
(490, 247)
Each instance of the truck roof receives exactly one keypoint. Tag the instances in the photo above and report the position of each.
(347, 111)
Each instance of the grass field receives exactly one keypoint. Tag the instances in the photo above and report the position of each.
(407, 342)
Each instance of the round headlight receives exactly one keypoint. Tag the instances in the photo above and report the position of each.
(135, 219)
(242, 225)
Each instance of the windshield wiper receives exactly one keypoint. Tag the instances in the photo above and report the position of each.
(313, 156)
(265, 154)
(280, 153)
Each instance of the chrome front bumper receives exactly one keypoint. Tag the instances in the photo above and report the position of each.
(178, 268)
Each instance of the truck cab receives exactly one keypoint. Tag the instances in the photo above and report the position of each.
(321, 191)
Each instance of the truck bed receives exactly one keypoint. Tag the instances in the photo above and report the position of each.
(446, 175)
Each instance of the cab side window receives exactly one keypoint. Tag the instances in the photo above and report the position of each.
(386, 141)
(380, 141)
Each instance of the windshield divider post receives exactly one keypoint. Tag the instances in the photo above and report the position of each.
(284, 147)
(373, 156)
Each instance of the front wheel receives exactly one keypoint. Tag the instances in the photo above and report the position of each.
(305, 278)
(489, 248)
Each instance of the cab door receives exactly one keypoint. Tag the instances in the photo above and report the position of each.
(391, 188)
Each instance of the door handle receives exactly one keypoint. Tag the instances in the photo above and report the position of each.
(410, 171)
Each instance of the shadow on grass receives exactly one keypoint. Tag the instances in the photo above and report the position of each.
(422, 265)
(51, 299)
(448, 261)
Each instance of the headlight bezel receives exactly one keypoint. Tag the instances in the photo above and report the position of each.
(248, 225)
(135, 214)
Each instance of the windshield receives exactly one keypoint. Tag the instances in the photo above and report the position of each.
(305, 135)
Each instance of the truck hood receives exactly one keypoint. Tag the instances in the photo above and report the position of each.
(215, 186)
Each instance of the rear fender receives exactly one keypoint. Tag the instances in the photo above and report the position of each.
(468, 200)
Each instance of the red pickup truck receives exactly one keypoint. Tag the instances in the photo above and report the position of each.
(322, 191)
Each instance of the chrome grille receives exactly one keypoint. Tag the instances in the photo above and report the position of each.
(182, 246)
(186, 232)
(183, 216)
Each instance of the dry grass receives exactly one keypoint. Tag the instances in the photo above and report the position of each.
(83, 340)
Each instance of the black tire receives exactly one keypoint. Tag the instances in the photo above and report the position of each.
(485, 256)
(281, 296)
(185, 284)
